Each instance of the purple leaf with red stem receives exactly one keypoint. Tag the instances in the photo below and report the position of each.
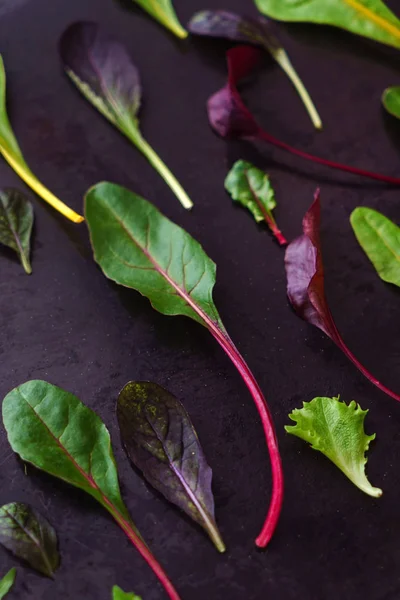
(306, 289)
(230, 118)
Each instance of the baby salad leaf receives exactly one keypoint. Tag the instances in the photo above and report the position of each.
(164, 13)
(380, 240)
(161, 441)
(391, 101)
(16, 221)
(224, 24)
(11, 151)
(306, 288)
(230, 118)
(104, 73)
(7, 582)
(369, 18)
(28, 535)
(252, 188)
(337, 430)
(136, 246)
(55, 432)
(119, 594)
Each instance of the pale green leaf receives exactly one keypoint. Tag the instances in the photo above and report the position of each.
(7, 582)
(380, 239)
(337, 430)
(369, 18)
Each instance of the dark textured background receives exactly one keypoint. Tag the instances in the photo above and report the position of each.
(67, 324)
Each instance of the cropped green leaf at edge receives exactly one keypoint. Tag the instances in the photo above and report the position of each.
(159, 438)
(11, 151)
(119, 594)
(252, 188)
(379, 237)
(7, 582)
(178, 278)
(54, 431)
(104, 73)
(164, 12)
(240, 28)
(29, 536)
(368, 18)
(337, 430)
(16, 222)
(391, 101)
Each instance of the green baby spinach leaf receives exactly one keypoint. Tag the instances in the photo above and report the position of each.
(239, 28)
(391, 101)
(7, 582)
(103, 71)
(139, 248)
(369, 18)
(252, 188)
(51, 429)
(337, 430)
(11, 151)
(164, 13)
(119, 594)
(379, 237)
(161, 441)
(28, 535)
(16, 221)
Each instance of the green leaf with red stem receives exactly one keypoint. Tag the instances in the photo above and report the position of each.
(51, 429)
(138, 247)
(230, 118)
(252, 188)
(306, 286)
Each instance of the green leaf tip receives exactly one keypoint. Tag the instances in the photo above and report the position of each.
(337, 430)
(119, 594)
(164, 12)
(7, 582)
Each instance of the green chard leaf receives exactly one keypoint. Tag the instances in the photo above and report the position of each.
(138, 247)
(337, 430)
(379, 237)
(16, 221)
(369, 18)
(29, 536)
(11, 151)
(51, 429)
(119, 594)
(164, 13)
(103, 71)
(252, 188)
(161, 441)
(7, 582)
(391, 101)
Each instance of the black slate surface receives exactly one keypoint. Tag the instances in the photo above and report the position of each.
(67, 324)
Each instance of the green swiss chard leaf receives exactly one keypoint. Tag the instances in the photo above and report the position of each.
(28, 535)
(161, 441)
(337, 430)
(11, 151)
(16, 221)
(391, 101)
(51, 429)
(239, 28)
(136, 246)
(119, 594)
(7, 582)
(252, 188)
(103, 71)
(164, 13)
(369, 18)
(379, 237)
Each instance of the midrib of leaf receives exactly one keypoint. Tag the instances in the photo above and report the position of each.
(210, 526)
(34, 540)
(379, 235)
(369, 14)
(265, 212)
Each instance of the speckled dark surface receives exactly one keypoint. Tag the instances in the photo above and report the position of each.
(67, 324)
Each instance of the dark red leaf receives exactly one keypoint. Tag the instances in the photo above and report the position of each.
(229, 117)
(306, 289)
